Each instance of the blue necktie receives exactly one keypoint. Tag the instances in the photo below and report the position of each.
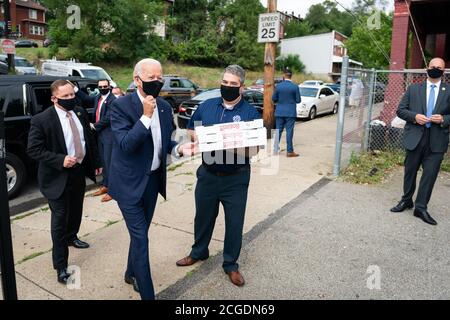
(431, 100)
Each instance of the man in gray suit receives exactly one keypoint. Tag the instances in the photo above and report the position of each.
(426, 109)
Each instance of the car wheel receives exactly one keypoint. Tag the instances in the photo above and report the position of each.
(312, 113)
(16, 174)
(335, 108)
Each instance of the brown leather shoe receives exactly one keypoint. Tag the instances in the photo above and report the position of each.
(186, 262)
(236, 278)
(101, 191)
(292, 155)
(106, 198)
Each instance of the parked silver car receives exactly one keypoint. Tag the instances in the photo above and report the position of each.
(23, 66)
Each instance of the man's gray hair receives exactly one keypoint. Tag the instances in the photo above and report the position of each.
(138, 67)
(236, 70)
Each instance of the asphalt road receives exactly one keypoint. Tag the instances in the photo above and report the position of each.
(337, 241)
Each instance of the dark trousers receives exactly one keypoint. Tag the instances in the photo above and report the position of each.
(66, 216)
(105, 150)
(430, 162)
(289, 124)
(138, 217)
(231, 191)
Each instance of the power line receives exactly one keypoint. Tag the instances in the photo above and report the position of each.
(370, 34)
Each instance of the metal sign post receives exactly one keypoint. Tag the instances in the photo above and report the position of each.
(6, 250)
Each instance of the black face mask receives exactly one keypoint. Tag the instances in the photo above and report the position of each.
(435, 73)
(230, 93)
(152, 88)
(68, 104)
(104, 92)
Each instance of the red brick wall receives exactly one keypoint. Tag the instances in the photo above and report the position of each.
(399, 46)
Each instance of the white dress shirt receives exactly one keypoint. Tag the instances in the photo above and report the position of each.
(67, 131)
(436, 91)
(103, 102)
(154, 125)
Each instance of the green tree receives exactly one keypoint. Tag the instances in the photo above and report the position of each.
(371, 47)
(296, 28)
(292, 62)
(117, 30)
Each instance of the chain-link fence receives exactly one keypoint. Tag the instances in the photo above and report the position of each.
(371, 101)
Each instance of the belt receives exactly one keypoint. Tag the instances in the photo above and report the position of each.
(226, 174)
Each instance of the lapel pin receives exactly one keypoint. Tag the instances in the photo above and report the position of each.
(79, 114)
(443, 89)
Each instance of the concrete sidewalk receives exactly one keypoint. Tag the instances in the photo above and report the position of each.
(171, 235)
(329, 243)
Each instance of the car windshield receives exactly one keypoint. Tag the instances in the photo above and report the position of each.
(310, 82)
(22, 63)
(96, 74)
(215, 93)
(308, 92)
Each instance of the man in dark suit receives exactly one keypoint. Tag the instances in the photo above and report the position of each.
(286, 95)
(426, 109)
(142, 126)
(102, 124)
(61, 140)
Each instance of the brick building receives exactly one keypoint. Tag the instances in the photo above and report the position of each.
(417, 24)
(27, 17)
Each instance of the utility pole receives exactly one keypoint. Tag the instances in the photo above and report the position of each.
(7, 16)
(269, 75)
(6, 250)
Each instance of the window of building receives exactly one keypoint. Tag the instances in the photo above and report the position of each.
(32, 14)
(37, 30)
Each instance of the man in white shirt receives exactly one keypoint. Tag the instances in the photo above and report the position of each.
(61, 140)
(142, 127)
(101, 120)
(426, 109)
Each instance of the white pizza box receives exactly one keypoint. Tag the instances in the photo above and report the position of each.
(231, 135)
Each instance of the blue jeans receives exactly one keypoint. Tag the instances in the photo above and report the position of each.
(288, 123)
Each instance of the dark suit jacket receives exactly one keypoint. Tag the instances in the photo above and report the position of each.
(103, 127)
(286, 95)
(133, 148)
(46, 145)
(414, 102)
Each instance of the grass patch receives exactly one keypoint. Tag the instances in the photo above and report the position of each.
(445, 166)
(23, 216)
(122, 74)
(32, 256)
(184, 174)
(372, 168)
(110, 223)
(175, 167)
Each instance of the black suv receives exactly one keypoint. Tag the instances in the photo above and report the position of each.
(175, 90)
(187, 108)
(21, 97)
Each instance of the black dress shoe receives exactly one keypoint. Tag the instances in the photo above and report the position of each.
(132, 280)
(77, 243)
(63, 276)
(425, 216)
(402, 205)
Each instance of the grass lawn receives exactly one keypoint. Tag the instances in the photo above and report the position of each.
(205, 77)
(376, 167)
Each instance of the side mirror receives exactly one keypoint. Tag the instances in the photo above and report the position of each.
(322, 96)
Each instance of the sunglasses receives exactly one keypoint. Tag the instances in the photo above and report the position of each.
(103, 87)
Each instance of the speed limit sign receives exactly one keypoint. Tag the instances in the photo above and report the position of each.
(269, 27)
